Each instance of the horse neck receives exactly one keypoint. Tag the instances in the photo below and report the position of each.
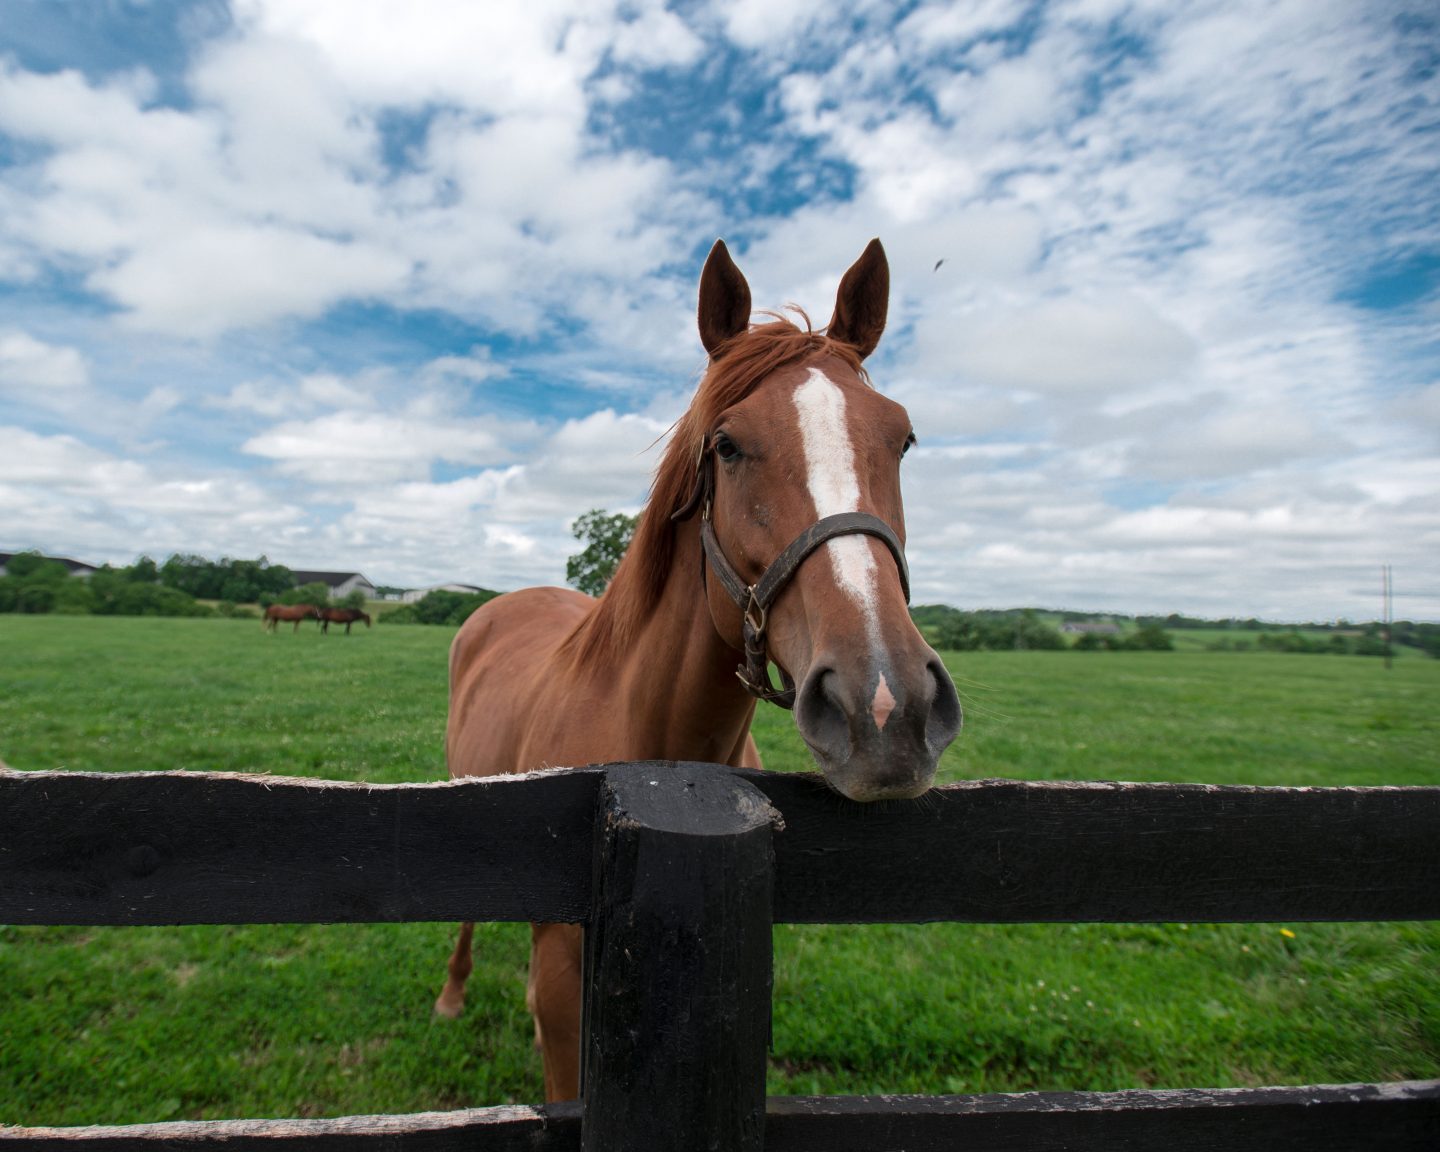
(677, 676)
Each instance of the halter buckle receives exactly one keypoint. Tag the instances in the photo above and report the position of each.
(756, 614)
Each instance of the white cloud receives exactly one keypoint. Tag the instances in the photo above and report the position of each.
(1013, 96)
(768, 24)
(271, 273)
(656, 37)
(1062, 346)
(277, 174)
(497, 58)
(1217, 438)
(66, 495)
(358, 449)
(1421, 409)
(31, 365)
(945, 25)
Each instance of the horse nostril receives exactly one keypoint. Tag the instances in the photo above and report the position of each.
(943, 723)
(821, 715)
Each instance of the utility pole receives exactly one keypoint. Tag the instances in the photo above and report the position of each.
(1387, 605)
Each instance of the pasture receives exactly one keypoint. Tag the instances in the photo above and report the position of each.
(122, 1025)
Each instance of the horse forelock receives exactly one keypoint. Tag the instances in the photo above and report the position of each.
(740, 365)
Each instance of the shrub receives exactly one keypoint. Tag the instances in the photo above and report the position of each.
(315, 593)
(440, 607)
(1151, 638)
(73, 598)
(36, 598)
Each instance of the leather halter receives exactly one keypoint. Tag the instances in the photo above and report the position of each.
(754, 600)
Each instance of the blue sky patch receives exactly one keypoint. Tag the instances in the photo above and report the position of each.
(1398, 282)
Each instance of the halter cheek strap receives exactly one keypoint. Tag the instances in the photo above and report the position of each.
(754, 600)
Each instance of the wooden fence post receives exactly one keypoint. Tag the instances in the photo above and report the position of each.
(678, 962)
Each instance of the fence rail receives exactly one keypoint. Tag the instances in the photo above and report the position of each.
(674, 866)
(1324, 1119)
(209, 848)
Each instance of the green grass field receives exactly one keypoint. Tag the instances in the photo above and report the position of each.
(126, 1025)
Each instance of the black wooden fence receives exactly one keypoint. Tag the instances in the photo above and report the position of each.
(678, 871)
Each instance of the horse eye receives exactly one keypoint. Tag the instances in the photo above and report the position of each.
(725, 448)
(910, 442)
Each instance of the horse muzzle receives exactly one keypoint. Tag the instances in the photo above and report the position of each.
(876, 732)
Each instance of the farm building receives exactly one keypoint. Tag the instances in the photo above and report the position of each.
(341, 584)
(1090, 627)
(76, 567)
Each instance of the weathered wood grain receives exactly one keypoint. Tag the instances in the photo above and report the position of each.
(552, 1128)
(203, 848)
(679, 952)
(171, 848)
(998, 851)
(678, 963)
(1399, 1117)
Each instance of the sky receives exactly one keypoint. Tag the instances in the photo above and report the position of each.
(407, 287)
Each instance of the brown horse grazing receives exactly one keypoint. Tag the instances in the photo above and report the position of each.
(346, 616)
(774, 532)
(296, 612)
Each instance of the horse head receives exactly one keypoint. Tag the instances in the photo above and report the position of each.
(798, 486)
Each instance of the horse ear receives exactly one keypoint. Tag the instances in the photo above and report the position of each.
(862, 302)
(724, 299)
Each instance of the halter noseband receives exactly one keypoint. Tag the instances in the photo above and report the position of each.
(754, 600)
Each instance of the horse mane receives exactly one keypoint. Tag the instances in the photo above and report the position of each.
(735, 370)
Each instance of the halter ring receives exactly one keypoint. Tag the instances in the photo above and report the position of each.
(756, 607)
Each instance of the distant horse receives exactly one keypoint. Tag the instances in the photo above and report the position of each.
(296, 612)
(346, 616)
(774, 532)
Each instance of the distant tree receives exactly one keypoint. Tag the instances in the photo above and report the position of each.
(72, 598)
(960, 632)
(156, 600)
(607, 535)
(32, 566)
(36, 598)
(440, 607)
(1370, 645)
(314, 593)
(243, 581)
(355, 599)
(1150, 638)
(36, 585)
(190, 574)
(143, 571)
(1032, 632)
(956, 631)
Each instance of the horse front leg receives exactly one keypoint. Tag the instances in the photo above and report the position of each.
(451, 1001)
(553, 996)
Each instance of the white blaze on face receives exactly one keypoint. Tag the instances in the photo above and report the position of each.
(830, 474)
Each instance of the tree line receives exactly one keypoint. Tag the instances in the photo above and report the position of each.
(1025, 629)
(180, 585)
(35, 584)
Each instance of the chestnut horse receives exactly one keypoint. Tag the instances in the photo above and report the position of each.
(296, 612)
(346, 616)
(774, 531)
